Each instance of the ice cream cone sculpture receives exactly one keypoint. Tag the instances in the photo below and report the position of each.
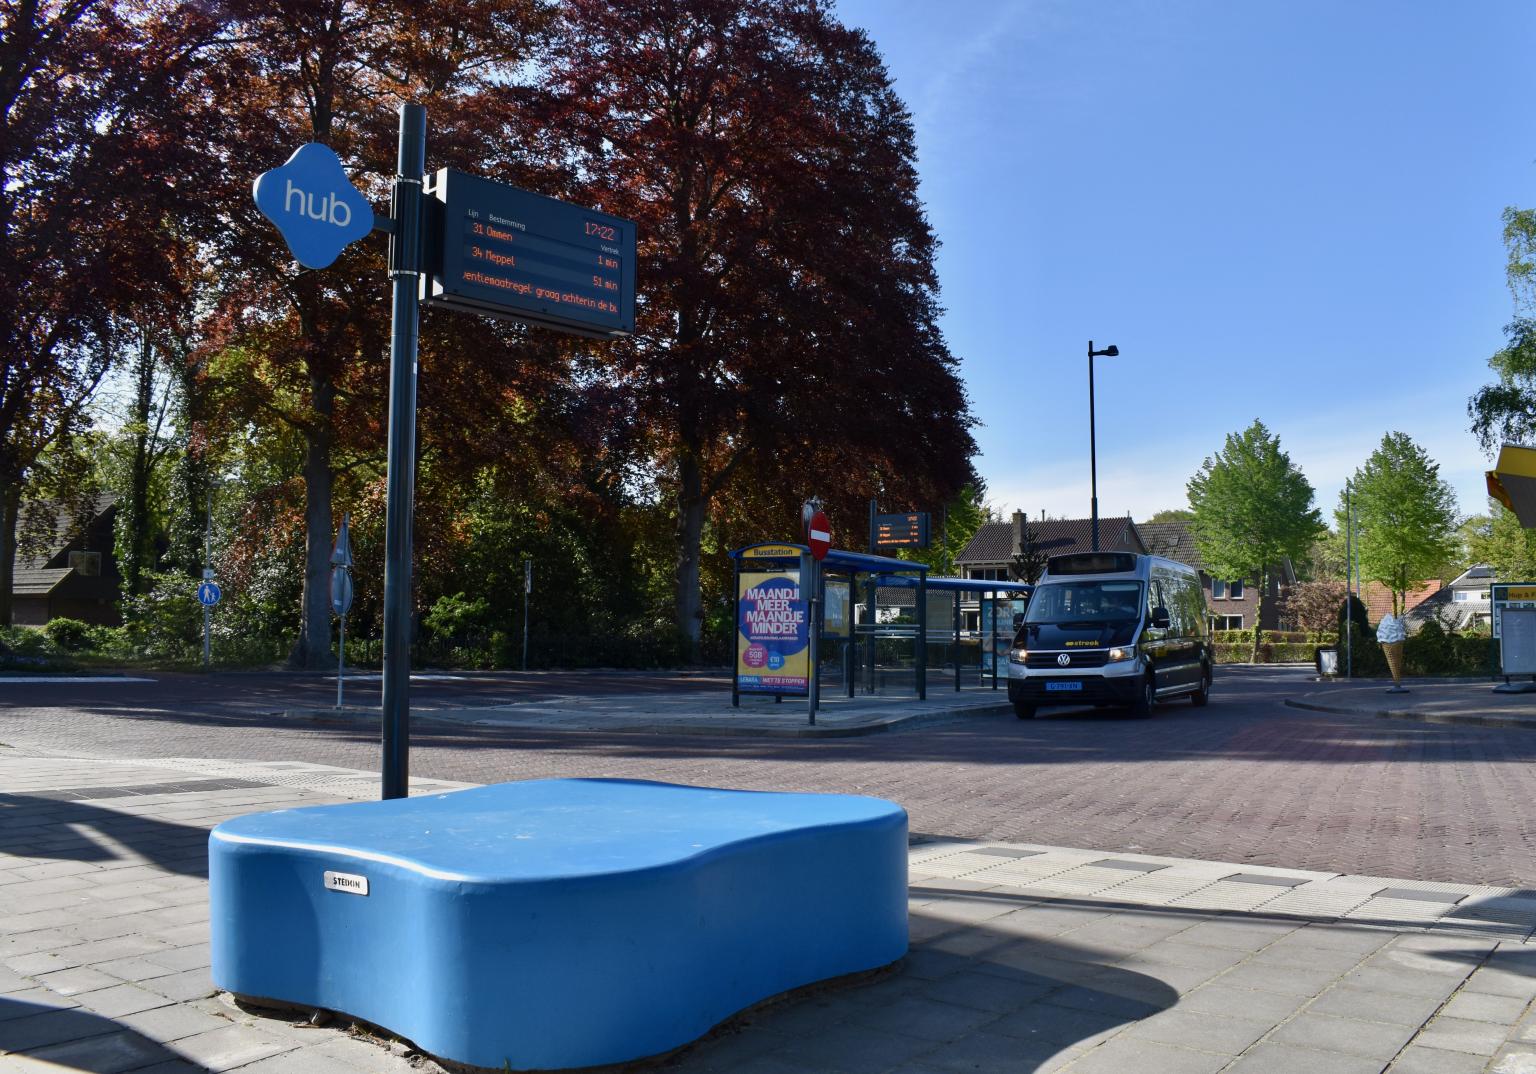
(1391, 633)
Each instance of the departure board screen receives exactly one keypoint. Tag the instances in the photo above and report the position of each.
(498, 250)
(901, 531)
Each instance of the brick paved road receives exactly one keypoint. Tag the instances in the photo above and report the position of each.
(1244, 780)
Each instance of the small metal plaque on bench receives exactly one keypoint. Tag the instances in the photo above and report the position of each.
(350, 883)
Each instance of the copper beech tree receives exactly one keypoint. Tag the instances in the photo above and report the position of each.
(787, 339)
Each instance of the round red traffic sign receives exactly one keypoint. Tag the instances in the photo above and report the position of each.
(818, 534)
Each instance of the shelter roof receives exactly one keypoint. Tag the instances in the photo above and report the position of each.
(996, 542)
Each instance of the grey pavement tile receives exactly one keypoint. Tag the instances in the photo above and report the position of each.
(229, 1046)
(1288, 980)
(984, 991)
(1344, 1001)
(1201, 1030)
(1421, 895)
(1282, 1059)
(361, 1055)
(189, 984)
(54, 1027)
(1179, 953)
(966, 941)
(923, 1018)
(1266, 880)
(1485, 1007)
(986, 1051)
(1127, 866)
(1230, 1001)
(1059, 1026)
(133, 968)
(1461, 1035)
(1416, 1059)
(1381, 979)
(1513, 1059)
(11, 981)
(121, 999)
(1145, 1057)
(27, 1001)
(173, 1066)
(1339, 962)
(1502, 982)
(931, 964)
(1372, 1040)
(853, 1049)
(39, 963)
(1236, 933)
(172, 1022)
(109, 1054)
(72, 982)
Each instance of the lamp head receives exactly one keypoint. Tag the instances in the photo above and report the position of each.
(1111, 351)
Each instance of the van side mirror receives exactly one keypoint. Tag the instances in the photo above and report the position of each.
(1018, 620)
(1160, 619)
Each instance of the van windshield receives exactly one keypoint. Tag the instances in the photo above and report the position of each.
(1084, 602)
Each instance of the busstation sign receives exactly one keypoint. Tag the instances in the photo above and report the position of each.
(506, 252)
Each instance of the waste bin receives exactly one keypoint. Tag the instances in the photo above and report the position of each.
(1327, 661)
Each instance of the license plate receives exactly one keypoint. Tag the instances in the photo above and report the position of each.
(1051, 686)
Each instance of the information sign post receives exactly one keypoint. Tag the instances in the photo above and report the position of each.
(465, 243)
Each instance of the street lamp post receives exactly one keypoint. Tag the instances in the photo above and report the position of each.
(1110, 351)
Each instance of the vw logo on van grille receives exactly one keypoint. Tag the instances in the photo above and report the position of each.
(1064, 659)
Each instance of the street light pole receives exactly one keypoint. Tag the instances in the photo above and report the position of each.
(1093, 453)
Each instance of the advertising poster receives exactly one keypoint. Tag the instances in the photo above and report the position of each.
(837, 622)
(772, 635)
(997, 630)
(1510, 595)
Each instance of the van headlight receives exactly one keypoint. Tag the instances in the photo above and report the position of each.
(1018, 656)
(1117, 654)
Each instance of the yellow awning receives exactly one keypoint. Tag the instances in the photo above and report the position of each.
(1512, 482)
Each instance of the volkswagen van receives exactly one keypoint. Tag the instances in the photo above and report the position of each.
(1113, 628)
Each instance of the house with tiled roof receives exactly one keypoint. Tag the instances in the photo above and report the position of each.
(70, 571)
(1461, 604)
(1234, 603)
(990, 552)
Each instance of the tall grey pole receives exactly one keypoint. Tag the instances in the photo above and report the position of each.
(207, 574)
(1093, 453)
(527, 596)
(808, 583)
(404, 268)
(1349, 592)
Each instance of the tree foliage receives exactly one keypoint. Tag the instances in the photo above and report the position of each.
(1498, 540)
(1253, 508)
(1407, 517)
(1315, 606)
(788, 320)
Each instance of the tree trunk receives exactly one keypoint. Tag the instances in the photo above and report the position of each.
(1258, 617)
(313, 647)
(10, 509)
(136, 518)
(690, 529)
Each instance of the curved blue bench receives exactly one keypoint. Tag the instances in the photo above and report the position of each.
(559, 923)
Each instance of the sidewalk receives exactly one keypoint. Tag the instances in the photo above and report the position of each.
(1024, 958)
(712, 714)
(1430, 701)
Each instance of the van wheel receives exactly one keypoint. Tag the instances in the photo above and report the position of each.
(1142, 707)
(1024, 710)
(1202, 695)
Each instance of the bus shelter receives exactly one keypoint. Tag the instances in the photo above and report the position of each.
(970, 623)
(857, 639)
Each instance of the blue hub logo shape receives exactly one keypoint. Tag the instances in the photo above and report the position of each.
(315, 206)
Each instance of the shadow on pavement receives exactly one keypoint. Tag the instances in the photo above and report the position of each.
(981, 996)
(36, 826)
(69, 1038)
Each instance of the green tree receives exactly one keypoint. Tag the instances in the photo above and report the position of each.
(1506, 410)
(1499, 540)
(1407, 517)
(1253, 509)
(1173, 514)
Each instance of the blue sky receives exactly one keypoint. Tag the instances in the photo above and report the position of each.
(1284, 211)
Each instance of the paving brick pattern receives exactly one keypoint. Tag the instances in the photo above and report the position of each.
(1246, 779)
(1025, 957)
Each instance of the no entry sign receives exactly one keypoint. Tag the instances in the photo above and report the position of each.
(818, 534)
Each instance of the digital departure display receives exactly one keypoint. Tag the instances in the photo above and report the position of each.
(507, 252)
(908, 530)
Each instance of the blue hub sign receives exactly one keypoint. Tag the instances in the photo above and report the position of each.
(315, 206)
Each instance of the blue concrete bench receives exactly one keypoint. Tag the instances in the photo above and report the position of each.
(556, 923)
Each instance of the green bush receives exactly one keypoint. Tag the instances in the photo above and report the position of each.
(70, 635)
(27, 643)
(166, 622)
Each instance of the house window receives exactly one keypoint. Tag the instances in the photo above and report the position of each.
(991, 574)
(1226, 590)
(86, 563)
(1227, 622)
(1235, 590)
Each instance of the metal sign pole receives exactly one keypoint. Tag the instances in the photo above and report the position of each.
(341, 661)
(404, 268)
(207, 574)
(527, 597)
(808, 572)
